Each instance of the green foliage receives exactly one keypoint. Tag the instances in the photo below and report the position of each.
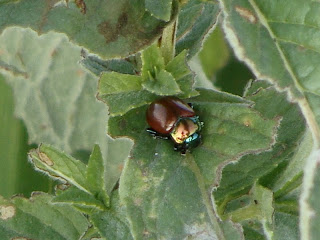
(56, 97)
(256, 173)
(48, 221)
(195, 20)
(103, 27)
(159, 78)
(159, 9)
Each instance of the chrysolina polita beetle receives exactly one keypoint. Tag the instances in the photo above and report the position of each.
(170, 117)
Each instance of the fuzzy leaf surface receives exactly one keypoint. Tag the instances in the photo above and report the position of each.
(55, 96)
(195, 20)
(279, 42)
(159, 184)
(22, 218)
(112, 223)
(164, 84)
(268, 167)
(159, 9)
(309, 207)
(83, 201)
(104, 27)
(123, 92)
(97, 65)
(60, 166)
(95, 175)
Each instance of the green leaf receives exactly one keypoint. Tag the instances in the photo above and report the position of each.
(163, 84)
(309, 202)
(60, 166)
(95, 175)
(37, 218)
(92, 234)
(112, 223)
(195, 20)
(292, 175)
(159, 184)
(286, 226)
(123, 92)
(238, 178)
(178, 66)
(116, 83)
(260, 207)
(120, 30)
(287, 32)
(160, 9)
(89, 191)
(232, 231)
(152, 61)
(97, 65)
(55, 97)
(84, 201)
(268, 168)
(180, 70)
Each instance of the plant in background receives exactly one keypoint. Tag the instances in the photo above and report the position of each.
(256, 174)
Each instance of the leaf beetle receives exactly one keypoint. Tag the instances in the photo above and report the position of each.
(171, 118)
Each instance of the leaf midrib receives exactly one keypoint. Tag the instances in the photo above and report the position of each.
(303, 103)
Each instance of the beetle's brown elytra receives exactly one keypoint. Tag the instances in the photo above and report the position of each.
(170, 117)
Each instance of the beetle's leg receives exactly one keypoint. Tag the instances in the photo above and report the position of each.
(181, 148)
(157, 135)
(176, 147)
(183, 151)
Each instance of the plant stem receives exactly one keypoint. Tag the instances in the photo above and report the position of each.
(168, 40)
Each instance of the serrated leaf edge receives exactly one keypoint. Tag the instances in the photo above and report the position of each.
(306, 212)
(240, 53)
(237, 158)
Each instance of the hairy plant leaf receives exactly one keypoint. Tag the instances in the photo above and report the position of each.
(178, 66)
(287, 32)
(95, 175)
(266, 167)
(196, 19)
(238, 177)
(38, 218)
(289, 179)
(309, 203)
(96, 65)
(159, 9)
(159, 184)
(163, 84)
(112, 223)
(260, 207)
(108, 28)
(152, 61)
(83, 201)
(89, 189)
(60, 166)
(286, 226)
(55, 97)
(123, 92)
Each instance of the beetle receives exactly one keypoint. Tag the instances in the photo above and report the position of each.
(171, 118)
